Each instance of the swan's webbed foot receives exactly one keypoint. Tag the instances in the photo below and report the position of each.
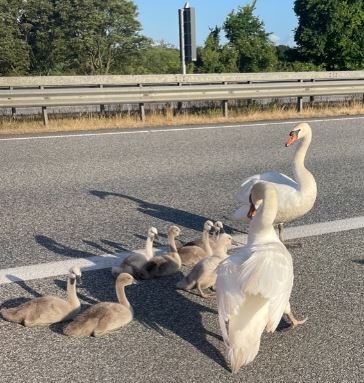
(295, 322)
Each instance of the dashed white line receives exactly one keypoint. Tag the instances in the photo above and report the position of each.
(46, 270)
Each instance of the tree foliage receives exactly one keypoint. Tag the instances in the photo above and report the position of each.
(159, 55)
(214, 57)
(104, 37)
(83, 36)
(330, 33)
(246, 33)
(14, 52)
(97, 31)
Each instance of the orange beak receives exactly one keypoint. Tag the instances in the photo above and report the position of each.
(291, 140)
(252, 211)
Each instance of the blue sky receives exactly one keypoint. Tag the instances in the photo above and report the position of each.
(160, 21)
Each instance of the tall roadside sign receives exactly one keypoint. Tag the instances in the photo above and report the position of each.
(187, 35)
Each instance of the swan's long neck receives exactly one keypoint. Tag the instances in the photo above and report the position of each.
(72, 297)
(301, 174)
(206, 241)
(172, 243)
(149, 248)
(120, 292)
(261, 228)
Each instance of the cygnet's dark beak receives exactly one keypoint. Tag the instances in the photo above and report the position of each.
(234, 243)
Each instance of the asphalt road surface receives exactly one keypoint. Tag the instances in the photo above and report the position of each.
(67, 197)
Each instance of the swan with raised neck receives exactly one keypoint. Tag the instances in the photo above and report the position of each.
(296, 196)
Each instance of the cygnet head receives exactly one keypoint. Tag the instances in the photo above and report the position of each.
(219, 227)
(125, 279)
(299, 131)
(175, 231)
(152, 233)
(74, 273)
(258, 193)
(226, 240)
(208, 225)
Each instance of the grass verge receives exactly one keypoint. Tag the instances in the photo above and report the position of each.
(164, 118)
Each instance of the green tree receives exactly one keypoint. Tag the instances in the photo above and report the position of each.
(246, 33)
(330, 33)
(159, 57)
(40, 25)
(214, 57)
(209, 56)
(289, 60)
(100, 35)
(14, 53)
(81, 36)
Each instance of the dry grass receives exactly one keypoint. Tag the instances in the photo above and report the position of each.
(167, 118)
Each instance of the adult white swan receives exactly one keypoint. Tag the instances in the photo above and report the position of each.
(296, 196)
(254, 285)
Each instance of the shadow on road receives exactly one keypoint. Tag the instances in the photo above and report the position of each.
(14, 302)
(165, 213)
(158, 306)
(58, 248)
(96, 246)
(359, 261)
(15, 280)
(62, 284)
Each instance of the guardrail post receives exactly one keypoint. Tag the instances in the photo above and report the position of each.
(102, 106)
(142, 111)
(141, 108)
(13, 110)
(312, 98)
(249, 101)
(179, 103)
(299, 102)
(45, 115)
(225, 107)
(44, 111)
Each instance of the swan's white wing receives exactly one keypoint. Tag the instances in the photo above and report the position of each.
(262, 270)
(253, 289)
(245, 188)
(278, 179)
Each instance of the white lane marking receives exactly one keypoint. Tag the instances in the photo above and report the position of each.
(315, 229)
(191, 128)
(46, 270)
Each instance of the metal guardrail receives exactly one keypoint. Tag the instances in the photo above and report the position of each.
(47, 91)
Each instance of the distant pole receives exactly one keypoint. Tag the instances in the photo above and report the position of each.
(187, 35)
(182, 40)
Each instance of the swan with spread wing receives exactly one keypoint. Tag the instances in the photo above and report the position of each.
(254, 285)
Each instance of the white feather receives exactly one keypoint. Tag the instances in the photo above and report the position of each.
(253, 288)
(295, 196)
